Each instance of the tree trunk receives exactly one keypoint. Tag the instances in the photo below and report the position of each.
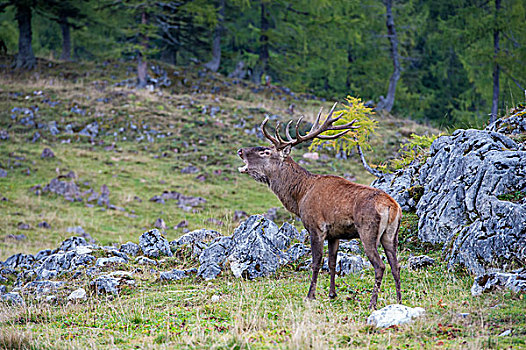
(66, 38)
(388, 102)
(496, 67)
(142, 65)
(214, 63)
(25, 58)
(262, 66)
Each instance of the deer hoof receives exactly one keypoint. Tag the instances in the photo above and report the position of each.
(333, 295)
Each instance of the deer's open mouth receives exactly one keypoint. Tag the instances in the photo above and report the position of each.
(243, 169)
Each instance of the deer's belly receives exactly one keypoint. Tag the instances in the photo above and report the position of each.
(341, 231)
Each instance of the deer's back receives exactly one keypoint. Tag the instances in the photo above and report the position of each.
(336, 205)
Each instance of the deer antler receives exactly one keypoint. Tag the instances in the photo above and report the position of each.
(314, 132)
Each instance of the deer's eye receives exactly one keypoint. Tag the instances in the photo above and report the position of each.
(265, 153)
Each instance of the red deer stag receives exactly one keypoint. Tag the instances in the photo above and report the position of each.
(330, 207)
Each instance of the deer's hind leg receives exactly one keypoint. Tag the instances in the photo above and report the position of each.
(390, 243)
(369, 236)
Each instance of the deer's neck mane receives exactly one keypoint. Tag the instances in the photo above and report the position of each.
(290, 184)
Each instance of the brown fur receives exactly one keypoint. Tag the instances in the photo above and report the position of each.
(331, 208)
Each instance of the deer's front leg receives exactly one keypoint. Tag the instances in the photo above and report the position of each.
(333, 253)
(317, 254)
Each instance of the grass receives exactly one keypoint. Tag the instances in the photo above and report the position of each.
(269, 312)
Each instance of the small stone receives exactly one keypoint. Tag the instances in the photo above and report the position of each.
(394, 314)
(505, 333)
(418, 262)
(142, 260)
(311, 156)
(79, 294)
(44, 224)
(160, 224)
(23, 226)
(239, 215)
(114, 260)
(190, 169)
(47, 153)
(180, 225)
(215, 298)
(3, 173)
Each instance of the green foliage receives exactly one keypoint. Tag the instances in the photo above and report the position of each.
(353, 110)
(515, 196)
(417, 149)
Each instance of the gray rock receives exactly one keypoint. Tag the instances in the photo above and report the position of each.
(346, 264)
(61, 262)
(514, 124)
(42, 287)
(78, 294)
(47, 153)
(459, 207)
(394, 314)
(4, 135)
(201, 235)
(212, 258)
(13, 298)
(401, 185)
(72, 243)
(104, 199)
(41, 255)
(90, 130)
(297, 251)
(19, 261)
(3, 289)
(173, 275)
(142, 260)
(515, 281)
(130, 248)
(114, 260)
(352, 246)
(44, 224)
(112, 283)
(3, 173)
(69, 190)
(418, 262)
(196, 240)
(190, 169)
(160, 224)
(462, 179)
(153, 244)
(256, 247)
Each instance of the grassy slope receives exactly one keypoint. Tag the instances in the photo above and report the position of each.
(263, 313)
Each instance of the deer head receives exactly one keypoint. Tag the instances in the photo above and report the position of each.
(262, 162)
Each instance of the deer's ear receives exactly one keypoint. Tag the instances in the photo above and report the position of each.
(285, 151)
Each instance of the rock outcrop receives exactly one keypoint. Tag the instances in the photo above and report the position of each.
(460, 195)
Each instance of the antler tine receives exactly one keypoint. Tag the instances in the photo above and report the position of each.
(330, 120)
(267, 135)
(317, 121)
(332, 137)
(278, 136)
(299, 138)
(287, 132)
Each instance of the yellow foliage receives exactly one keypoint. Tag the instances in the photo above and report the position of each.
(353, 109)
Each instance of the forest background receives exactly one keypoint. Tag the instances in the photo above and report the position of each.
(456, 63)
